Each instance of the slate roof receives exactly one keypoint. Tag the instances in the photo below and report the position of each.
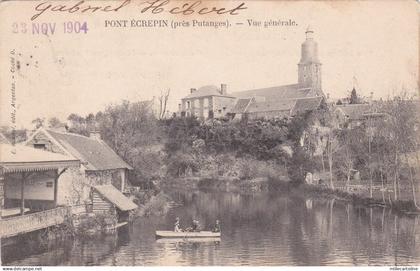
(114, 196)
(293, 91)
(306, 104)
(354, 111)
(21, 158)
(285, 107)
(94, 152)
(271, 105)
(241, 105)
(209, 90)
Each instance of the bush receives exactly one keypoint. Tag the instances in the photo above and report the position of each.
(155, 205)
(182, 164)
(251, 169)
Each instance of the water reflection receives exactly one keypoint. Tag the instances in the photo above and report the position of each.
(258, 229)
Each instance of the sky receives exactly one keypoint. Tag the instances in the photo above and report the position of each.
(372, 45)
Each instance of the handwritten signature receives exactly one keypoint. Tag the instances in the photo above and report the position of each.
(153, 7)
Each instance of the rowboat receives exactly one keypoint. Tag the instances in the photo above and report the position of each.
(199, 234)
(189, 240)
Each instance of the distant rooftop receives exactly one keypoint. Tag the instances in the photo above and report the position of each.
(293, 91)
(209, 90)
(354, 111)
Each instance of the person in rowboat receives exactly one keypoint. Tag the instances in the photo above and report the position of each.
(177, 225)
(195, 226)
(217, 226)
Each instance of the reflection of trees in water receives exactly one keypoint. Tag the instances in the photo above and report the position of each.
(314, 231)
(256, 229)
(306, 246)
(233, 208)
(83, 251)
(50, 253)
(370, 234)
(97, 251)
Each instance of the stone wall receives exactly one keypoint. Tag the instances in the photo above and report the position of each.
(73, 188)
(202, 106)
(199, 107)
(222, 106)
(268, 115)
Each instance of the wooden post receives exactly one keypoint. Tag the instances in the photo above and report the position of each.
(123, 174)
(22, 194)
(57, 176)
(1, 202)
(55, 189)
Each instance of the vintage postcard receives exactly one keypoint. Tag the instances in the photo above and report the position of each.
(209, 133)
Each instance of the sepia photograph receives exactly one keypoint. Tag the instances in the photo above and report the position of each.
(209, 133)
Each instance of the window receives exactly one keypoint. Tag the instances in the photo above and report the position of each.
(196, 103)
(40, 146)
(49, 184)
(206, 102)
(188, 104)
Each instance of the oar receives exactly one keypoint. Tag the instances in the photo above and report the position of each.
(185, 237)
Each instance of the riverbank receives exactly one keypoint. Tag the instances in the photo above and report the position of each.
(283, 185)
(405, 207)
(401, 207)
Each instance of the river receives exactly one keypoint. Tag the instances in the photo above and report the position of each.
(257, 229)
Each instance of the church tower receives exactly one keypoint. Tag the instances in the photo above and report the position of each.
(309, 67)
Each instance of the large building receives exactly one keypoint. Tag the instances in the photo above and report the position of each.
(208, 102)
(100, 165)
(272, 102)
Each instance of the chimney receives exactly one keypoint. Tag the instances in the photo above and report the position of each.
(95, 134)
(193, 90)
(223, 89)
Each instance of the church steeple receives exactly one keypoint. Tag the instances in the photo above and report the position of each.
(309, 67)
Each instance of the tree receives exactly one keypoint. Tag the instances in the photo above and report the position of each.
(54, 122)
(351, 156)
(354, 99)
(332, 148)
(38, 122)
(398, 129)
(90, 122)
(163, 102)
(77, 124)
(135, 135)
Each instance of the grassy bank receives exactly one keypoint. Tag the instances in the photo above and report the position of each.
(406, 207)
